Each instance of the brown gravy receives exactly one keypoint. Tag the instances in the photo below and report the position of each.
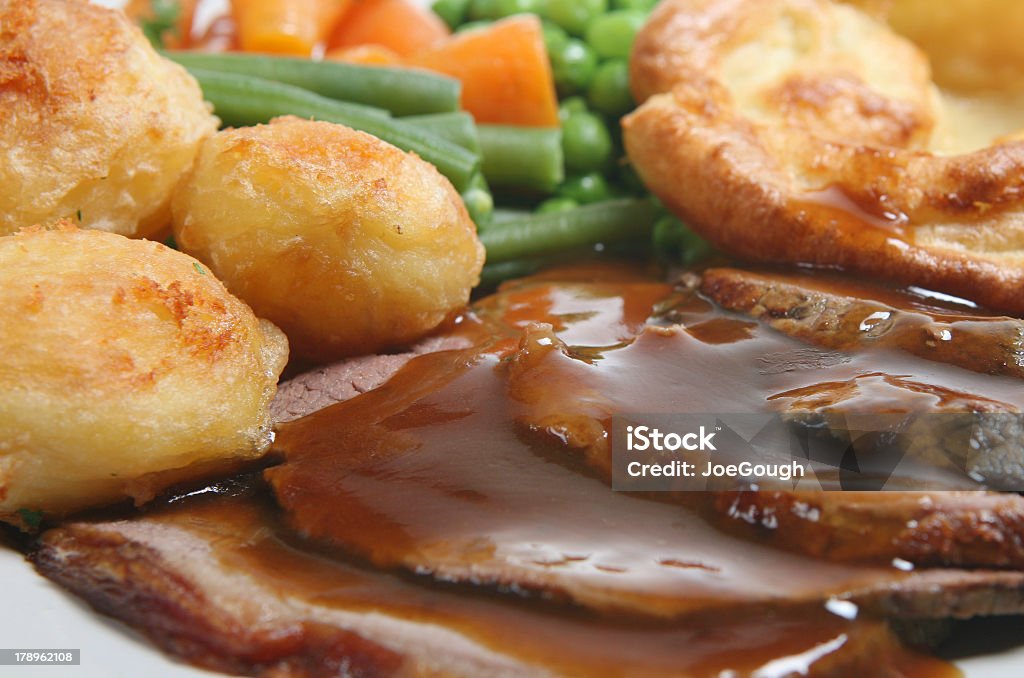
(435, 472)
(420, 626)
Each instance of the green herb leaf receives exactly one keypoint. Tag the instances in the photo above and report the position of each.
(199, 269)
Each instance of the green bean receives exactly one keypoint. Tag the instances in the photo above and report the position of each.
(242, 100)
(538, 234)
(522, 157)
(399, 90)
(479, 201)
(505, 214)
(500, 272)
(458, 128)
(556, 204)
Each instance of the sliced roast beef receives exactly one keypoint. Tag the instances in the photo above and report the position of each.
(324, 386)
(849, 317)
(218, 582)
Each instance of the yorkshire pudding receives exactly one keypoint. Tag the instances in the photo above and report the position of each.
(810, 131)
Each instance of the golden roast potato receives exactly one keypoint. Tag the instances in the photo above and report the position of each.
(126, 366)
(95, 126)
(809, 131)
(347, 243)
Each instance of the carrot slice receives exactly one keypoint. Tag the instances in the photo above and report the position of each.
(504, 69)
(399, 25)
(285, 26)
(370, 55)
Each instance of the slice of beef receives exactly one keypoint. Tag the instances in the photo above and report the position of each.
(929, 529)
(986, 440)
(220, 584)
(324, 386)
(851, 317)
(431, 472)
(692, 370)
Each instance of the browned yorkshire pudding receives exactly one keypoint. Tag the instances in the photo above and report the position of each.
(810, 131)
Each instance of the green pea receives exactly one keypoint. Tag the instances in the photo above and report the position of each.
(586, 188)
(472, 26)
(676, 243)
(556, 205)
(609, 88)
(554, 37)
(453, 12)
(569, 106)
(573, 66)
(586, 144)
(484, 9)
(611, 35)
(574, 15)
(509, 7)
(640, 5)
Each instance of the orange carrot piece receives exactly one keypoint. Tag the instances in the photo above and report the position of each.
(369, 55)
(285, 26)
(505, 72)
(399, 25)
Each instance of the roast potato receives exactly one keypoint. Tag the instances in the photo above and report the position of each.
(126, 366)
(95, 126)
(347, 243)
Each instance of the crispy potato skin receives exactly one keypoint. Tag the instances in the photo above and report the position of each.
(126, 366)
(781, 131)
(95, 126)
(348, 244)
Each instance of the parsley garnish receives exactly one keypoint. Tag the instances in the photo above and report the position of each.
(199, 268)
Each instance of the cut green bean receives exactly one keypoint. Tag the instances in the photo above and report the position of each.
(241, 100)
(458, 128)
(493, 274)
(399, 90)
(506, 214)
(479, 201)
(522, 157)
(599, 223)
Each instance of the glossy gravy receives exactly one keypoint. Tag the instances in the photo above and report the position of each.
(441, 470)
(410, 625)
